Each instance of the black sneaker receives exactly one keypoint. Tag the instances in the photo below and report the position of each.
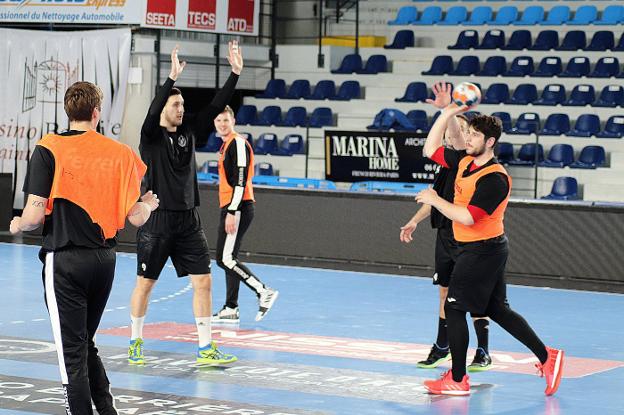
(436, 357)
(481, 362)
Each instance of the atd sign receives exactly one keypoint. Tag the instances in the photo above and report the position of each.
(219, 16)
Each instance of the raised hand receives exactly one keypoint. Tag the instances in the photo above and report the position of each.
(235, 57)
(442, 92)
(176, 66)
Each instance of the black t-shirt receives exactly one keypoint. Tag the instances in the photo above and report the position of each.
(491, 190)
(170, 156)
(69, 225)
(444, 185)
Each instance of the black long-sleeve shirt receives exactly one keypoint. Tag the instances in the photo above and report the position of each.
(170, 156)
(236, 162)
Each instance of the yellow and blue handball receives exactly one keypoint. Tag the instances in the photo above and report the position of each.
(466, 93)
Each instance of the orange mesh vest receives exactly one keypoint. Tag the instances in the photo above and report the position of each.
(225, 190)
(97, 173)
(488, 227)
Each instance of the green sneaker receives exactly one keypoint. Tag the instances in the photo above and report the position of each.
(135, 352)
(481, 362)
(436, 357)
(210, 355)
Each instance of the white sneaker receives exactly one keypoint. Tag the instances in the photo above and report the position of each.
(226, 315)
(265, 302)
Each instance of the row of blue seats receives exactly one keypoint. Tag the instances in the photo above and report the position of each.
(553, 94)
(586, 125)
(266, 143)
(300, 88)
(353, 64)
(559, 156)
(577, 67)
(295, 117)
(209, 171)
(545, 40)
(506, 15)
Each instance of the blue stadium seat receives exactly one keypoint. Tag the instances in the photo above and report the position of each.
(556, 124)
(276, 88)
(264, 169)
(611, 15)
(523, 94)
(601, 41)
(406, 15)
(581, 95)
(496, 94)
(467, 39)
(350, 64)
(557, 16)
(374, 65)
(527, 155)
(586, 125)
(563, 188)
(553, 94)
(493, 39)
(402, 39)
(531, 16)
(212, 145)
(266, 144)
(294, 182)
(321, 117)
(519, 40)
(295, 117)
(206, 177)
(480, 15)
(576, 68)
(505, 16)
(527, 123)
(441, 65)
(549, 66)
(504, 152)
(614, 128)
(467, 65)
(606, 67)
(546, 40)
(560, 155)
(573, 40)
(325, 89)
(455, 15)
(584, 15)
(620, 45)
(505, 119)
(292, 144)
(430, 16)
(494, 66)
(591, 157)
(248, 137)
(419, 119)
(415, 92)
(210, 166)
(300, 88)
(348, 90)
(611, 96)
(270, 115)
(521, 66)
(246, 114)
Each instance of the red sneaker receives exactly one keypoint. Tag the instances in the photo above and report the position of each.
(447, 386)
(552, 369)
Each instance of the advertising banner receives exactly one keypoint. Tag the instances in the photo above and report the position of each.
(353, 156)
(72, 11)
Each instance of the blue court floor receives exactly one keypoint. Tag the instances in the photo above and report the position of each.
(335, 343)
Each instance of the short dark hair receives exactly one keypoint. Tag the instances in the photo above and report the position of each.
(489, 125)
(174, 91)
(81, 99)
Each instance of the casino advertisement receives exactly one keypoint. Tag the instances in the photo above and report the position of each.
(238, 17)
(353, 156)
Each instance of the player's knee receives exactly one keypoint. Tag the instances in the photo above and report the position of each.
(145, 285)
(202, 282)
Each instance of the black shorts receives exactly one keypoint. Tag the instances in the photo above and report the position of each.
(445, 256)
(478, 278)
(175, 234)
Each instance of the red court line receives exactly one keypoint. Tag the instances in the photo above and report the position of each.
(398, 352)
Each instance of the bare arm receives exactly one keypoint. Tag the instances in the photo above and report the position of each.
(141, 211)
(408, 229)
(453, 212)
(32, 216)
